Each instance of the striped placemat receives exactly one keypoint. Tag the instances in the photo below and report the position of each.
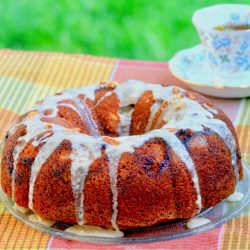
(26, 77)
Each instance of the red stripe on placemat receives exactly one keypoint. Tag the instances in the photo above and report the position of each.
(145, 64)
(154, 72)
(229, 106)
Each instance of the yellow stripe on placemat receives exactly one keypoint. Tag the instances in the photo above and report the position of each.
(22, 95)
(15, 234)
(21, 59)
(236, 234)
(65, 71)
(243, 132)
(57, 69)
(245, 114)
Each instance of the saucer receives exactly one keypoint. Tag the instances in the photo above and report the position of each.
(190, 66)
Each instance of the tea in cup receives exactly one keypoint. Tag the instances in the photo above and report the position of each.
(224, 31)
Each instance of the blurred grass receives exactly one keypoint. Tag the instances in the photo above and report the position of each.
(139, 29)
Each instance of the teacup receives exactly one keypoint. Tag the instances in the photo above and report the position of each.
(224, 31)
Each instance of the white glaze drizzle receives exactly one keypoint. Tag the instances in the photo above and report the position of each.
(69, 105)
(102, 98)
(125, 120)
(213, 111)
(37, 219)
(235, 197)
(114, 158)
(192, 116)
(94, 231)
(85, 114)
(197, 222)
(154, 108)
(81, 158)
(88, 91)
(37, 140)
(161, 118)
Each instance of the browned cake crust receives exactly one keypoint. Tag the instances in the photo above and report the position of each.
(153, 184)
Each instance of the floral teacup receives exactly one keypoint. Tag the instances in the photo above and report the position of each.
(227, 49)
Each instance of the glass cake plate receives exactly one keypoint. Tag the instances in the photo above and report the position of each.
(218, 215)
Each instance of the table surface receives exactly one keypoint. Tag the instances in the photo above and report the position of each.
(26, 77)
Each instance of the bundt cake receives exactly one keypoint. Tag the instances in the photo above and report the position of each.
(121, 156)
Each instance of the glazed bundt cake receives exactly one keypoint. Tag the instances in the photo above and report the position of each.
(121, 156)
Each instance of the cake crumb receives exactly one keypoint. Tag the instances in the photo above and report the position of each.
(180, 106)
(175, 90)
(111, 140)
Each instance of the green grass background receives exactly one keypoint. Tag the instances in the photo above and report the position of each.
(136, 29)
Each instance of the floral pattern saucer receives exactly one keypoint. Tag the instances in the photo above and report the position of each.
(191, 67)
